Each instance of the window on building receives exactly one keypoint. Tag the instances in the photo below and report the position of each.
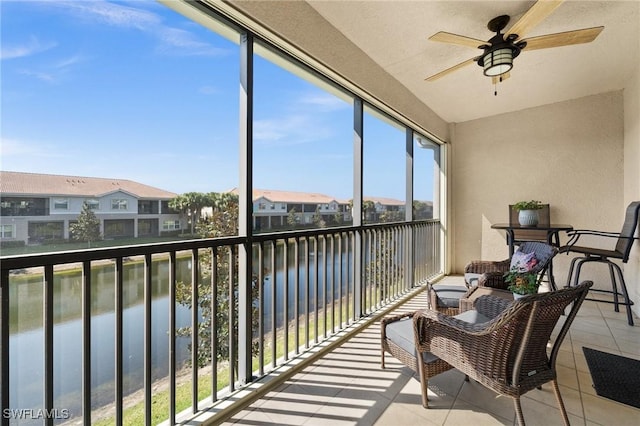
(262, 206)
(170, 225)
(118, 204)
(93, 204)
(6, 231)
(60, 204)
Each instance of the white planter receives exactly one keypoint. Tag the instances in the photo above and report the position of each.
(517, 296)
(528, 217)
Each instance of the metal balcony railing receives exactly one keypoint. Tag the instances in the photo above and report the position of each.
(84, 331)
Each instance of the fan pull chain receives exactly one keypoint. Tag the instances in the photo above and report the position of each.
(495, 86)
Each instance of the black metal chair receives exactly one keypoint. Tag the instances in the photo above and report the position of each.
(625, 239)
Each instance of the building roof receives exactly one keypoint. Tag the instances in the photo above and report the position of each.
(385, 201)
(311, 198)
(35, 184)
(291, 196)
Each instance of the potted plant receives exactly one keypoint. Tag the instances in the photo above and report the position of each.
(528, 212)
(522, 279)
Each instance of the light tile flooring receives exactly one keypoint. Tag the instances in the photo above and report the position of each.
(348, 387)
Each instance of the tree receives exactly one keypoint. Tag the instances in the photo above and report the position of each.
(87, 228)
(292, 218)
(222, 222)
(368, 210)
(180, 205)
(318, 220)
(191, 204)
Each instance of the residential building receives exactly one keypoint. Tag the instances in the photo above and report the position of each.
(40, 207)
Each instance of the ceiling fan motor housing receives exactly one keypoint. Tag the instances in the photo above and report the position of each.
(498, 55)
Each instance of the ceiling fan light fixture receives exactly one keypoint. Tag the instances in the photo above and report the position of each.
(497, 62)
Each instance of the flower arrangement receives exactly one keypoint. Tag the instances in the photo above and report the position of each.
(528, 205)
(521, 277)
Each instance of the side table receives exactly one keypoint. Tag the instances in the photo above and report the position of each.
(468, 302)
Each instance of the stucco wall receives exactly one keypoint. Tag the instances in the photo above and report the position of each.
(632, 176)
(568, 154)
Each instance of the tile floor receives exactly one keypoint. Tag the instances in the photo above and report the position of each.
(348, 387)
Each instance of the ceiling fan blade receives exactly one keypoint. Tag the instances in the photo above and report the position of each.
(586, 35)
(538, 12)
(451, 38)
(500, 78)
(450, 70)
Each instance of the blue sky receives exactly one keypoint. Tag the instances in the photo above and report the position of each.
(134, 90)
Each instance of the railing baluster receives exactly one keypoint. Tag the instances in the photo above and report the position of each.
(285, 305)
(48, 340)
(86, 342)
(274, 316)
(332, 282)
(4, 345)
(231, 316)
(172, 337)
(260, 309)
(148, 274)
(316, 287)
(214, 324)
(118, 341)
(340, 276)
(296, 294)
(325, 263)
(195, 296)
(307, 289)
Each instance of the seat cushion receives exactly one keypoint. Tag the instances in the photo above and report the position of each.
(401, 333)
(471, 278)
(448, 295)
(472, 317)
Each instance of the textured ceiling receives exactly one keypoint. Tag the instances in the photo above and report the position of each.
(395, 35)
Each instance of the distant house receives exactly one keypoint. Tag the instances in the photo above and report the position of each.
(39, 207)
(274, 209)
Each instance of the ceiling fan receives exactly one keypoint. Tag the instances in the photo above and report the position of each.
(499, 51)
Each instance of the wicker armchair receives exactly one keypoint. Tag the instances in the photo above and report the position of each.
(486, 273)
(507, 354)
(491, 273)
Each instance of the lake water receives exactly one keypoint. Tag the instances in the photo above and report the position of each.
(27, 337)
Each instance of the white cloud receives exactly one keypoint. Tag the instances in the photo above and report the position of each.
(28, 48)
(21, 148)
(43, 76)
(324, 102)
(178, 41)
(109, 13)
(289, 130)
(173, 40)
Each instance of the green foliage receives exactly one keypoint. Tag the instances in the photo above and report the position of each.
(87, 228)
(338, 218)
(191, 204)
(318, 220)
(522, 282)
(292, 218)
(528, 205)
(217, 307)
(12, 244)
(422, 210)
